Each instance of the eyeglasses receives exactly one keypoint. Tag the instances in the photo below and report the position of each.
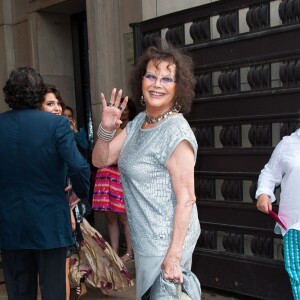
(163, 80)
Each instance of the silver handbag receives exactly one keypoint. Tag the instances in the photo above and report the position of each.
(163, 289)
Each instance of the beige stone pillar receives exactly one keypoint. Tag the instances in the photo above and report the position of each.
(14, 44)
(52, 52)
(104, 62)
(7, 55)
(104, 51)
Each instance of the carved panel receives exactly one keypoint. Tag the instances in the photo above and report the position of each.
(229, 80)
(288, 128)
(205, 188)
(175, 36)
(233, 242)
(205, 136)
(208, 239)
(262, 246)
(232, 190)
(200, 30)
(289, 73)
(252, 190)
(289, 11)
(230, 136)
(260, 135)
(227, 24)
(203, 84)
(259, 76)
(151, 39)
(247, 98)
(258, 16)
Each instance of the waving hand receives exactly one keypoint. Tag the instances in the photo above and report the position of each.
(112, 111)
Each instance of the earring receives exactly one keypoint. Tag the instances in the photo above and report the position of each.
(177, 107)
(142, 100)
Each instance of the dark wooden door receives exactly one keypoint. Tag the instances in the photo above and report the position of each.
(81, 76)
(247, 64)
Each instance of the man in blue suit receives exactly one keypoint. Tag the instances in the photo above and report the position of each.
(35, 226)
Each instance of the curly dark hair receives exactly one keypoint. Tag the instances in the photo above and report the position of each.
(49, 88)
(185, 80)
(24, 88)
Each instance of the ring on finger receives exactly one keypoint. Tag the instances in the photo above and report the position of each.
(175, 281)
(111, 104)
(120, 107)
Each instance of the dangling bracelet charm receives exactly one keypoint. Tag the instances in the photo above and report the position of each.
(105, 135)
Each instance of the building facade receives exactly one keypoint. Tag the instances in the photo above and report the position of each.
(247, 64)
(41, 33)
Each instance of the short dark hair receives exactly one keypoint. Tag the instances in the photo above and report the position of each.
(24, 88)
(185, 79)
(49, 88)
(131, 106)
(70, 109)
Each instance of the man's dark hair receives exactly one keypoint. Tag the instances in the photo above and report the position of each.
(24, 88)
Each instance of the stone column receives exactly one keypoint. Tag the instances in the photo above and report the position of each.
(7, 48)
(104, 51)
(52, 52)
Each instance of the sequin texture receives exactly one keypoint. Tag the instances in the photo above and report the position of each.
(149, 196)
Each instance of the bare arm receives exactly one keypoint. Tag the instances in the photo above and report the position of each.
(73, 221)
(107, 152)
(181, 169)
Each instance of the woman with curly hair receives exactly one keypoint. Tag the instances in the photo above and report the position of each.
(90, 261)
(156, 154)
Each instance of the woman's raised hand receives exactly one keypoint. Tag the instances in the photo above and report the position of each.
(112, 111)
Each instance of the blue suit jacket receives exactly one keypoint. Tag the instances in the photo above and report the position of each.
(36, 148)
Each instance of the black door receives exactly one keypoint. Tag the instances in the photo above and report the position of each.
(81, 76)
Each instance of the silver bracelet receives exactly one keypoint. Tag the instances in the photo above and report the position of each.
(105, 135)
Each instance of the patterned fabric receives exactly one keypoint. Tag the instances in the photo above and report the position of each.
(108, 193)
(98, 263)
(291, 245)
(149, 195)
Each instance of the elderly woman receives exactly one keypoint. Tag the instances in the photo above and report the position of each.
(156, 156)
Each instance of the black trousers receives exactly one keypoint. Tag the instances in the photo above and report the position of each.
(23, 267)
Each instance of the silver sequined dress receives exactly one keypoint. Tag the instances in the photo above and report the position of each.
(149, 196)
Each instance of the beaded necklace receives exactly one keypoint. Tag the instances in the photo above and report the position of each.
(152, 120)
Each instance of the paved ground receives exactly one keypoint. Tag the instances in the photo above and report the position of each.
(129, 294)
(94, 294)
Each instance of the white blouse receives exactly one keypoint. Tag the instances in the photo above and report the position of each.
(284, 168)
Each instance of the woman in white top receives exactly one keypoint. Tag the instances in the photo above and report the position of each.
(283, 169)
